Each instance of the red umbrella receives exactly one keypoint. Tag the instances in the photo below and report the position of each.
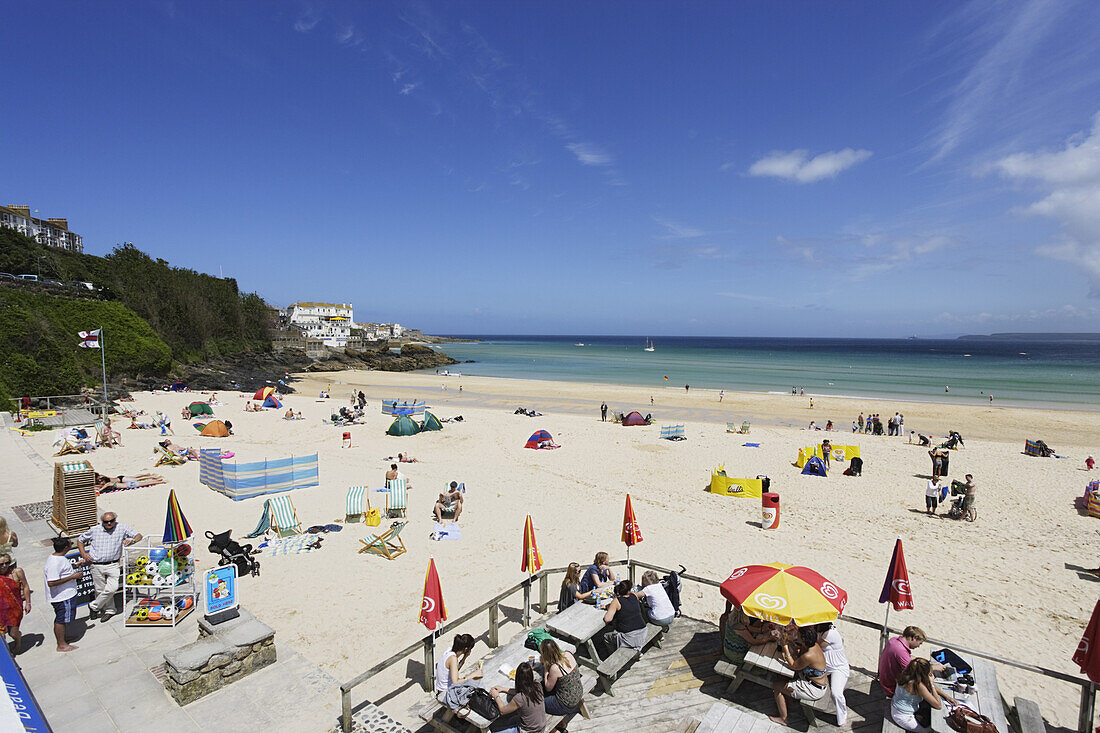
(632, 534)
(532, 560)
(1087, 656)
(433, 612)
(895, 590)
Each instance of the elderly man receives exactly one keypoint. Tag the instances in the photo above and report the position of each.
(102, 546)
(449, 501)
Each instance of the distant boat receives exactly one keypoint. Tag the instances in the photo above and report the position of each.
(649, 345)
(912, 338)
(578, 344)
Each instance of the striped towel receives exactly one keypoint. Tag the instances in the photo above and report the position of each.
(291, 545)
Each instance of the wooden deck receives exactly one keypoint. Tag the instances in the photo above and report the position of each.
(669, 687)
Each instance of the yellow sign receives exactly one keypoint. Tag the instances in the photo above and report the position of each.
(751, 488)
(33, 414)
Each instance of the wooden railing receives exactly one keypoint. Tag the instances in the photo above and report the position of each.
(427, 643)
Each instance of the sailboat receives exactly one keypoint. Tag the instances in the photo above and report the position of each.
(649, 345)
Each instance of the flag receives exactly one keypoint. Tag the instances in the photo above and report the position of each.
(1086, 656)
(176, 528)
(896, 589)
(89, 339)
(432, 610)
(632, 534)
(532, 560)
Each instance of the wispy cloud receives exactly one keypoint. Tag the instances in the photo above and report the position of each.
(865, 254)
(589, 154)
(408, 89)
(996, 42)
(307, 21)
(675, 230)
(347, 36)
(797, 165)
(1070, 180)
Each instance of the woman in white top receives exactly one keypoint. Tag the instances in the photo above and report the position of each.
(836, 666)
(448, 666)
(659, 608)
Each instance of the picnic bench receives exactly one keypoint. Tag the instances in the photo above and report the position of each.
(986, 700)
(761, 660)
(1028, 716)
(580, 623)
(443, 719)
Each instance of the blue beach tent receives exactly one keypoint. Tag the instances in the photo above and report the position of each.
(814, 467)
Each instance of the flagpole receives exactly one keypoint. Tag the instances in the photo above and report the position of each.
(103, 359)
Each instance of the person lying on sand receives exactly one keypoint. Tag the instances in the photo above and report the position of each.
(249, 407)
(136, 424)
(118, 483)
(402, 458)
(190, 454)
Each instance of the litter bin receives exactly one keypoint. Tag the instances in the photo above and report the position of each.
(770, 511)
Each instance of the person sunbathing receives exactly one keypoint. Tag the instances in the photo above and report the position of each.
(289, 415)
(249, 407)
(136, 425)
(190, 454)
(110, 436)
(118, 483)
(449, 501)
(402, 458)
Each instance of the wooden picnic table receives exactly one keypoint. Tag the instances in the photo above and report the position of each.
(768, 657)
(579, 624)
(986, 699)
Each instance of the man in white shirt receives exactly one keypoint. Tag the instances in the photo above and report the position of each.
(101, 547)
(932, 495)
(61, 577)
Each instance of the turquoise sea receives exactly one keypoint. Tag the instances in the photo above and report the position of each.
(1020, 373)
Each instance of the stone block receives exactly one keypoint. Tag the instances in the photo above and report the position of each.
(195, 655)
(182, 676)
(231, 668)
(242, 652)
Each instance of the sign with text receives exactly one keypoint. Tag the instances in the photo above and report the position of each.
(220, 585)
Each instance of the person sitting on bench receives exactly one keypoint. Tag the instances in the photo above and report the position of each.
(625, 614)
(739, 632)
(659, 608)
(810, 681)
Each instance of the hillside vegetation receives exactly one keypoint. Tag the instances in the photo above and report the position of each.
(153, 315)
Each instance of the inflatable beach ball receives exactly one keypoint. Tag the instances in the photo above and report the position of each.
(185, 603)
(157, 554)
(165, 567)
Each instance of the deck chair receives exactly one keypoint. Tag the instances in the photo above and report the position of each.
(745, 427)
(100, 438)
(388, 544)
(355, 504)
(397, 497)
(66, 446)
(166, 457)
(731, 427)
(284, 519)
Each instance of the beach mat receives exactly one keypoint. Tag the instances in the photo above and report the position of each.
(447, 532)
(291, 545)
(750, 445)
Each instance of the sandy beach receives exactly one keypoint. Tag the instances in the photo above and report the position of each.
(1000, 584)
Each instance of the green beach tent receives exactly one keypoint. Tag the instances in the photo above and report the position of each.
(403, 425)
(200, 408)
(431, 422)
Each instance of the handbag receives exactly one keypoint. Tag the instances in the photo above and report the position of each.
(483, 704)
(373, 517)
(965, 720)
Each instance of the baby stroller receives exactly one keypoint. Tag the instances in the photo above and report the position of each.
(232, 551)
(957, 510)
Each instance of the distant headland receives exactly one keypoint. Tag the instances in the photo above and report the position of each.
(1032, 337)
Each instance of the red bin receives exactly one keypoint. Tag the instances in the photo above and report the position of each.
(770, 511)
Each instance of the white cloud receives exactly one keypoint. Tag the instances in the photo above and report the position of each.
(408, 89)
(347, 36)
(797, 165)
(674, 230)
(306, 22)
(865, 254)
(589, 154)
(1070, 181)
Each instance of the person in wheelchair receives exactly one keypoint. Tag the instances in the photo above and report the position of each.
(962, 506)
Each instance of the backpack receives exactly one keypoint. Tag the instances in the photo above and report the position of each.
(535, 637)
(673, 586)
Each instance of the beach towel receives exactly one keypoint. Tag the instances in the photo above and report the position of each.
(265, 521)
(292, 545)
(750, 445)
(447, 532)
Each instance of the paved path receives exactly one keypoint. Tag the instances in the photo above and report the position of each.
(108, 684)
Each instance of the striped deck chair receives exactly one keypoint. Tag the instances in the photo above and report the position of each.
(397, 497)
(388, 544)
(166, 457)
(100, 438)
(67, 446)
(356, 504)
(284, 519)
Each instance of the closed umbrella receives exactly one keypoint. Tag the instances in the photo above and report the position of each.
(632, 534)
(784, 593)
(532, 560)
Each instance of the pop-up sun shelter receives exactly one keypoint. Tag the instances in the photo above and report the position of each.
(838, 453)
(273, 401)
(215, 429)
(403, 425)
(200, 408)
(634, 418)
(814, 467)
(541, 439)
(431, 422)
(262, 393)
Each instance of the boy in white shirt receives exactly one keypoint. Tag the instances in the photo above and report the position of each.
(61, 577)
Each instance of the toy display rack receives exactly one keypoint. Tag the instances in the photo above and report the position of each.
(163, 603)
(74, 498)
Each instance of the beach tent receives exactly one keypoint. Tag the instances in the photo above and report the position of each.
(262, 393)
(179, 387)
(215, 429)
(272, 401)
(403, 425)
(431, 422)
(200, 408)
(540, 439)
(814, 467)
(634, 418)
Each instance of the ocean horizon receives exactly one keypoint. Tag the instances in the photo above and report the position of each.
(1039, 373)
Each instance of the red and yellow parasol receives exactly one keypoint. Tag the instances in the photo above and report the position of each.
(532, 560)
(784, 593)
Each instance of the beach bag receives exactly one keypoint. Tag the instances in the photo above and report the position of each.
(535, 637)
(482, 703)
(458, 695)
(949, 658)
(373, 517)
(965, 720)
(673, 585)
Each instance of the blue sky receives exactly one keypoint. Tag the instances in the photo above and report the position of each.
(700, 168)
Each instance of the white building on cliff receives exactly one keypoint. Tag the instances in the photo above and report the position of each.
(330, 322)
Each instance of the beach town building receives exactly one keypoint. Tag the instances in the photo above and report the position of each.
(51, 232)
(330, 322)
